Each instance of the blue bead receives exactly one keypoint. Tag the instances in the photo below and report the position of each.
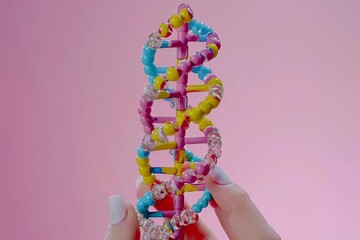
(189, 155)
(203, 203)
(196, 69)
(141, 206)
(142, 153)
(150, 69)
(208, 30)
(196, 208)
(147, 59)
(164, 44)
(148, 51)
(197, 27)
(151, 79)
(207, 195)
(203, 72)
(191, 23)
(196, 159)
(148, 199)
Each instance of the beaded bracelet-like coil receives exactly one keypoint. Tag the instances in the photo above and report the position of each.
(188, 170)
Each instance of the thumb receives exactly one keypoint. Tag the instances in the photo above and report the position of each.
(237, 214)
(123, 220)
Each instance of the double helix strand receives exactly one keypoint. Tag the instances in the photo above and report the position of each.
(188, 170)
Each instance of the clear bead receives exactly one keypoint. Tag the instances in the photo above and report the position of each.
(147, 143)
(150, 92)
(217, 91)
(162, 135)
(159, 192)
(210, 159)
(187, 217)
(176, 222)
(148, 225)
(215, 150)
(158, 233)
(214, 141)
(153, 41)
(174, 184)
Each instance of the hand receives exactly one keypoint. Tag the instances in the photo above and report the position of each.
(237, 214)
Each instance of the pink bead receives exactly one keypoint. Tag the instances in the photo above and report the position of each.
(209, 77)
(202, 169)
(189, 176)
(143, 111)
(148, 130)
(209, 130)
(214, 40)
(145, 103)
(185, 66)
(197, 59)
(207, 53)
(146, 121)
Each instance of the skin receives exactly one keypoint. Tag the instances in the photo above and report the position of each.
(237, 214)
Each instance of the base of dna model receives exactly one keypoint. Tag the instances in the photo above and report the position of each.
(188, 171)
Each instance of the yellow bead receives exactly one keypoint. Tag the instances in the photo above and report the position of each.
(213, 101)
(144, 171)
(176, 21)
(155, 135)
(159, 83)
(169, 129)
(204, 123)
(182, 120)
(164, 30)
(186, 15)
(172, 74)
(205, 107)
(142, 162)
(214, 48)
(195, 114)
(149, 179)
(215, 81)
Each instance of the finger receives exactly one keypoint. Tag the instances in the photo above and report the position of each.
(123, 220)
(237, 214)
(193, 231)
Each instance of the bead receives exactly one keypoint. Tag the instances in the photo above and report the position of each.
(153, 41)
(214, 141)
(201, 169)
(145, 103)
(142, 153)
(189, 155)
(197, 59)
(214, 48)
(185, 66)
(150, 69)
(207, 195)
(203, 72)
(158, 233)
(144, 171)
(207, 53)
(158, 135)
(147, 143)
(196, 27)
(183, 121)
(164, 30)
(149, 179)
(176, 222)
(203, 203)
(195, 114)
(159, 83)
(188, 217)
(204, 123)
(148, 130)
(148, 51)
(196, 159)
(215, 81)
(197, 69)
(169, 128)
(215, 150)
(213, 101)
(151, 79)
(217, 91)
(148, 199)
(159, 192)
(148, 225)
(205, 107)
(196, 208)
(147, 59)
(142, 162)
(189, 176)
(175, 184)
(172, 74)
(213, 40)
(186, 13)
(150, 93)
(176, 21)
(141, 206)
(168, 226)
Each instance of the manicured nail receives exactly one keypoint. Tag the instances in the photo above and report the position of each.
(117, 209)
(219, 176)
(138, 181)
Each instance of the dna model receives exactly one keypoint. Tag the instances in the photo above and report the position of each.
(188, 171)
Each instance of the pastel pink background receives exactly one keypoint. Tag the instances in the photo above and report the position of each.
(71, 77)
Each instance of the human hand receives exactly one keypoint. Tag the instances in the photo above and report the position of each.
(237, 214)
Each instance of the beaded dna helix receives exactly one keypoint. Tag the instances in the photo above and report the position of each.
(188, 171)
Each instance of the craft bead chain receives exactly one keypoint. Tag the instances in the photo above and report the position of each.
(189, 170)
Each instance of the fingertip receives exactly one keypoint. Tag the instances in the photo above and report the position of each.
(117, 209)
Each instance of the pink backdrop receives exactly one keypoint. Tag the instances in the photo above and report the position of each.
(71, 77)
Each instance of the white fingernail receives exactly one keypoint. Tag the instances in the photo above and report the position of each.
(219, 176)
(117, 209)
(138, 181)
